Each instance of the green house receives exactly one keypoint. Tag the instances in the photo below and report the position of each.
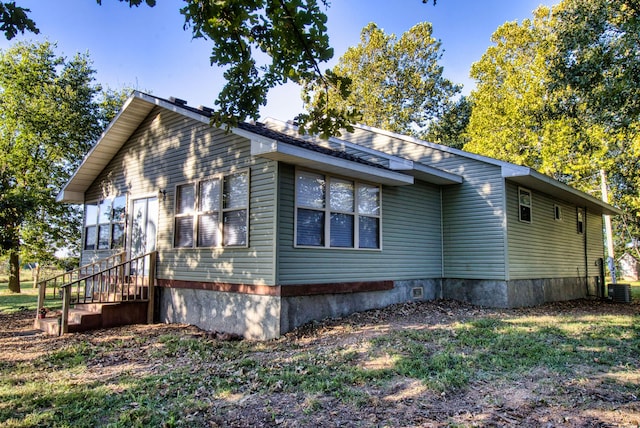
(259, 229)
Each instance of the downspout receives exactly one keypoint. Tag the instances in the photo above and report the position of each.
(441, 245)
(505, 234)
(586, 252)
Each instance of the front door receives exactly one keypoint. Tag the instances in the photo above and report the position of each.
(144, 223)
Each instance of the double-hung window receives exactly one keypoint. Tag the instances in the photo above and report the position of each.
(557, 212)
(104, 224)
(524, 205)
(185, 208)
(580, 220)
(336, 213)
(213, 212)
(209, 213)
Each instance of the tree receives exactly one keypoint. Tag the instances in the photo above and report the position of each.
(597, 56)
(559, 93)
(291, 33)
(508, 113)
(597, 59)
(14, 19)
(396, 84)
(512, 118)
(49, 116)
(450, 128)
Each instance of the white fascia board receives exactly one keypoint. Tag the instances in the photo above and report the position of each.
(434, 175)
(66, 196)
(112, 139)
(435, 146)
(396, 163)
(103, 141)
(259, 143)
(174, 108)
(401, 164)
(70, 197)
(535, 180)
(289, 153)
(513, 170)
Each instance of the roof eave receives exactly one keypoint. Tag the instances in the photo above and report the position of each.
(70, 197)
(277, 150)
(434, 175)
(537, 181)
(418, 170)
(134, 110)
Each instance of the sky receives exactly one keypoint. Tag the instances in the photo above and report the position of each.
(149, 50)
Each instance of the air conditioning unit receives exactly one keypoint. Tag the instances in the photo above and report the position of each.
(620, 293)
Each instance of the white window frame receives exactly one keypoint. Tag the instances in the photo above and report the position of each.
(86, 226)
(522, 190)
(196, 212)
(327, 211)
(580, 222)
(109, 224)
(557, 212)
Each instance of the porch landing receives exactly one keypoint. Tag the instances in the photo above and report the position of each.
(94, 316)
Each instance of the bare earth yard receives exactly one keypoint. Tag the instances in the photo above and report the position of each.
(442, 363)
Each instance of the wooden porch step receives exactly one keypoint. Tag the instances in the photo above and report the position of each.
(84, 320)
(119, 313)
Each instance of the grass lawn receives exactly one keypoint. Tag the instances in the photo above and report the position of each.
(635, 291)
(432, 363)
(27, 299)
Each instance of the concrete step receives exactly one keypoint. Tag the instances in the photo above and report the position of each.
(79, 320)
(92, 316)
(48, 325)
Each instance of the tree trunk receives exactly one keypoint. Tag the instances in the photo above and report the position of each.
(14, 272)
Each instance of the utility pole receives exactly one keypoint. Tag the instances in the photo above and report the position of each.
(607, 226)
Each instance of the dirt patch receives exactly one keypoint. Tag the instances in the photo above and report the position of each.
(540, 398)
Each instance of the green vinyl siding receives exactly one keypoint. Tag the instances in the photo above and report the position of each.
(411, 240)
(473, 223)
(595, 242)
(546, 247)
(169, 149)
(473, 212)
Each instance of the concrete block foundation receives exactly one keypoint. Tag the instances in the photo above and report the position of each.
(518, 293)
(284, 308)
(252, 316)
(265, 317)
(299, 310)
